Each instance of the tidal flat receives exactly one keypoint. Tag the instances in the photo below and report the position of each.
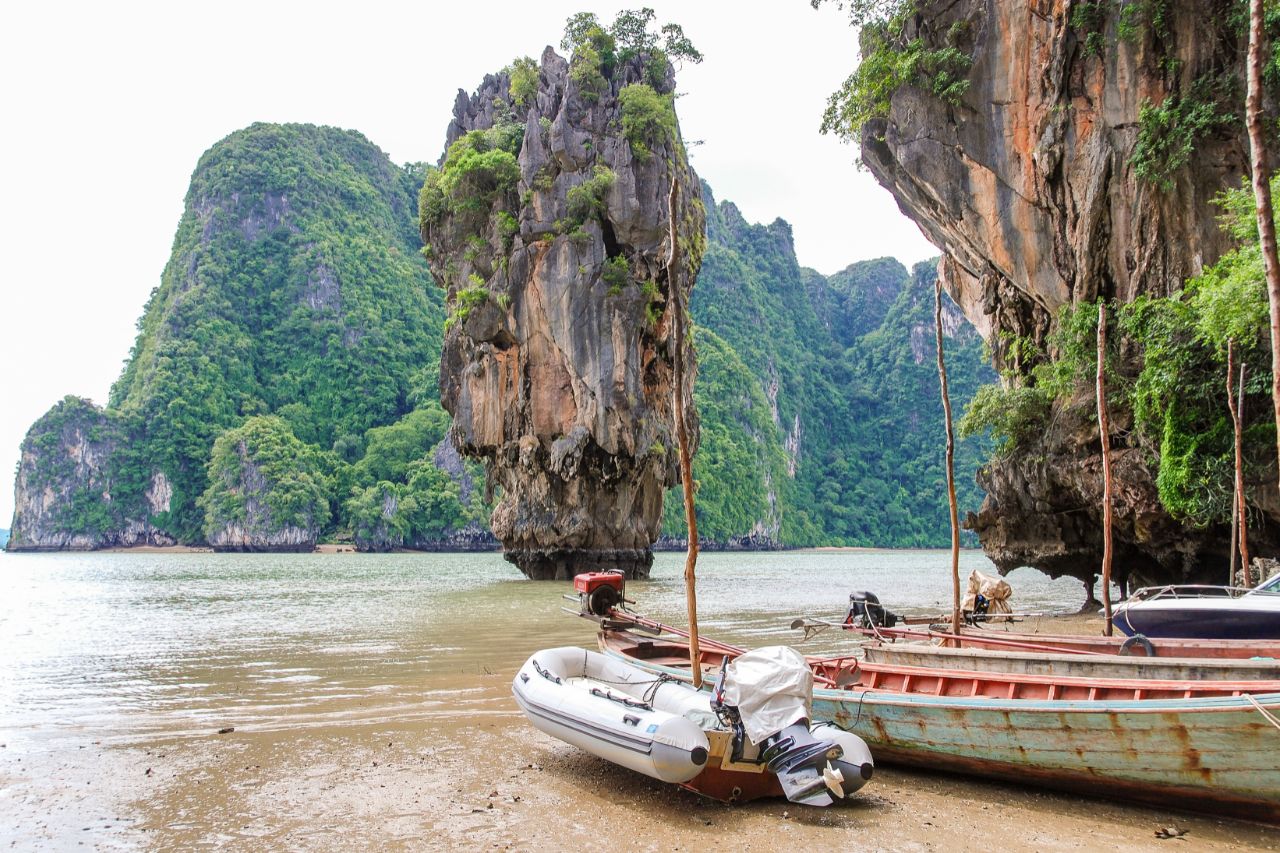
(368, 704)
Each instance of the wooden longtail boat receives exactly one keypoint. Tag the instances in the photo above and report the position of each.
(1070, 664)
(987, 638)
(1208, 746)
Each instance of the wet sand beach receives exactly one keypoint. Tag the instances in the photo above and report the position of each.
(373, 710)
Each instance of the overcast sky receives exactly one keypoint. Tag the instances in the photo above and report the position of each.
(107, 107)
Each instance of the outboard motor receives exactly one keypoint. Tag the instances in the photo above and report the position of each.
(980, 612)
(866, 611)
(816, 765)
(804, 765)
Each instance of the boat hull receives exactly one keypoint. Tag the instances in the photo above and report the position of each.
(656, 743)
(1218, 754)
(1246, 618)
(1071, 665)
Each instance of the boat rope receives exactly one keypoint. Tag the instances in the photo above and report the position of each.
(1270, 717)
(625, 700)
(861, 698)
(651, 692)
(548, 676)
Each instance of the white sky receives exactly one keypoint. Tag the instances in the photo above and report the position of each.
(107, 106)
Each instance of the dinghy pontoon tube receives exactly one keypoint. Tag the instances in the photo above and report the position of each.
(613, 710)
(660, 727)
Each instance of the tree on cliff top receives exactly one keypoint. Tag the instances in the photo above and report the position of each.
(630, 34)
(892, 59)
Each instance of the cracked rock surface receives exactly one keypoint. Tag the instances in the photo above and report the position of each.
(1028, 187)
(559, 381)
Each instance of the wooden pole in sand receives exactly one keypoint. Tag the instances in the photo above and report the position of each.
(1235, 489)
(951, 462)
(675, 282)
(1104, 435)
(1239, 520)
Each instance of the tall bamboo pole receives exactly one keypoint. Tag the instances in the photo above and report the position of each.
(675, 286)
(1262, 197)
(1104, 435)
(1235, 480)
(951, 462)
(1244, 506)
(1239, 519)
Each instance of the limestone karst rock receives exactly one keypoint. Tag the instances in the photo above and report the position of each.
(1028, 183)
(69, 495)
(547, 226)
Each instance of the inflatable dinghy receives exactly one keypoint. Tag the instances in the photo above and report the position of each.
(672, 732)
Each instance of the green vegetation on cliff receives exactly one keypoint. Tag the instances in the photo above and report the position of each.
(295, 289)
(262, 476)
(295, 340)
(1166, 375)
(849, 447)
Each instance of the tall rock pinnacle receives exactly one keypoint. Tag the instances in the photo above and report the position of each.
(547, 225)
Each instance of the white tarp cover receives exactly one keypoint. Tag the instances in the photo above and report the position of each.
(996, 590)
(772, 687)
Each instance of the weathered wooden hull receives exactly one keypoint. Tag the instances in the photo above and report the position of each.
(1066, 664)
(1217, 754)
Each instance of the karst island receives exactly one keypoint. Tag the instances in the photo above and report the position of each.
(807, 425)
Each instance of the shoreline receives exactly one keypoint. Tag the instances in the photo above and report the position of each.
(348, 548)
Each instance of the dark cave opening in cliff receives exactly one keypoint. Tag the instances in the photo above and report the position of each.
(612, 248)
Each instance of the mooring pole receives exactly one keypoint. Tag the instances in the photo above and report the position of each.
(1239, 515)
(1104, 435)
(951, 462)
(675, 286)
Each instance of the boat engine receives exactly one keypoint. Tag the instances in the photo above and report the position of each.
(599, 592)
(865, 611)
(816, 765)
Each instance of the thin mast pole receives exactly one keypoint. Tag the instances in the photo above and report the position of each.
(951, 462)
(675, 286)
(1104, 435)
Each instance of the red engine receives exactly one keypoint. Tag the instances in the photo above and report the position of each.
(599, 592)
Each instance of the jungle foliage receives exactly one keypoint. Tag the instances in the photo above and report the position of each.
(295, 290)
(296, 328)
(262, 462)
(892, 59)
(840, 427)
(1166, 373)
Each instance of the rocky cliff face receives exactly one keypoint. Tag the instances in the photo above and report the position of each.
(557, 358)
(69, 493)
(1030, 185)
(294, 287)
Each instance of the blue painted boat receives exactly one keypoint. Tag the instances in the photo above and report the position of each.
(1201, 746)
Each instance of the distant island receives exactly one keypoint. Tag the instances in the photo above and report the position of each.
(283, 387)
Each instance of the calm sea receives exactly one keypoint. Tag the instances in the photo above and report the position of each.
(126, 647)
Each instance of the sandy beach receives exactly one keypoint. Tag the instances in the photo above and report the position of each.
(479, 777)
(489, 781)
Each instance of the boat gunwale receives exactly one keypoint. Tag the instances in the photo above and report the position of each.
(1209, 704)
(1079, 644)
